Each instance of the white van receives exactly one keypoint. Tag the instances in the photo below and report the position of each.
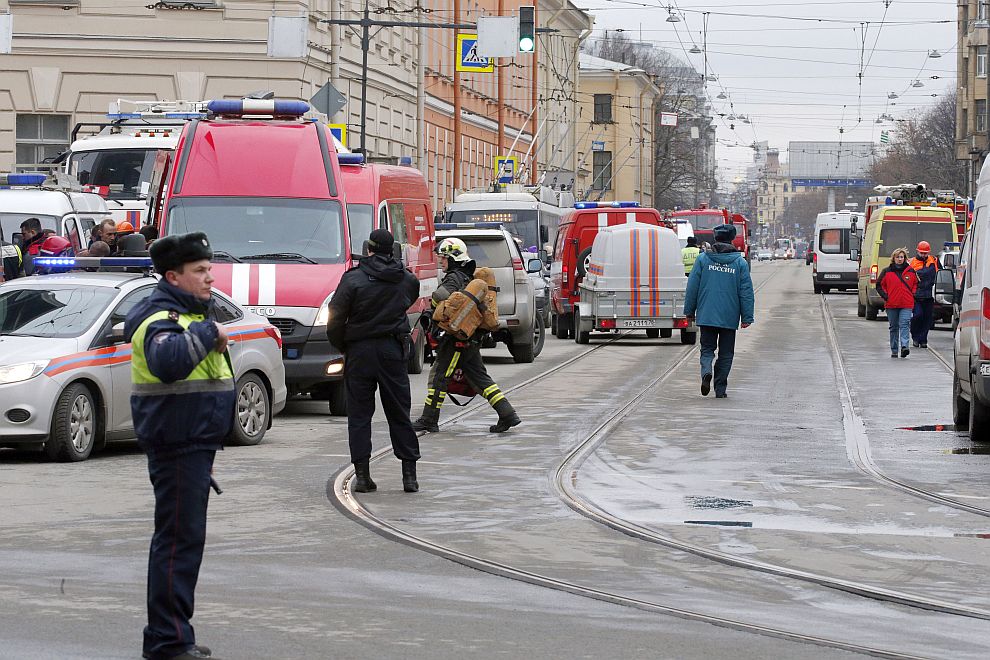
(65, 211)
(831, 265)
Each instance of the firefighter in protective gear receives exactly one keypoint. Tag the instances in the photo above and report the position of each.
(923, 318)
(453, 354)
(13, 261)
(182, 403)
(689, 254)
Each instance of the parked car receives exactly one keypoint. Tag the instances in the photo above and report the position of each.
(764, 255)
(492, 246)
(65, 369)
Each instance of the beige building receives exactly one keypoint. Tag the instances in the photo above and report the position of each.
(971, 102)
(773, 192)
(615, 132)
(69, 59)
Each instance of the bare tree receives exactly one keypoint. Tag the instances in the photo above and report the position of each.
(923, 151)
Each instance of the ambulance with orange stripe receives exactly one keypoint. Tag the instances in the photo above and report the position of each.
(635, 281)
(65, 369)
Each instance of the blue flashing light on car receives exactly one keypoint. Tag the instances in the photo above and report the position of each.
(606, 205)
(467, 225)
(62, 264)
(351, 159)
(268, 107)
(13, 179)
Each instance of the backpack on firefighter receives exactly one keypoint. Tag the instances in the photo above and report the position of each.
(472, 308)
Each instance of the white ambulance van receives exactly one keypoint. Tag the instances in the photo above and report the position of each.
(832, 266)
(971, 377)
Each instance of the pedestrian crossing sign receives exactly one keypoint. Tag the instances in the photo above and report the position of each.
(884, 137)
(468, 58)
(505, 168)
(339, 131)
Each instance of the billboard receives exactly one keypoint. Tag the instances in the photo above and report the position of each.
(829, 160)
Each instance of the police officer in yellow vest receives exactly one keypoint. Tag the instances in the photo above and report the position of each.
(182, 402)
(689, 254)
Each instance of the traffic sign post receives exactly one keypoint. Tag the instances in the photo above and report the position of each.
(339, 131)
(505, 168)
(328, 100)
(597, 145)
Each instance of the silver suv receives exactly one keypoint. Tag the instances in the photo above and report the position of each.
(496, 249)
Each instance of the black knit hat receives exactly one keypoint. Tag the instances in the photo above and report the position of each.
(381, 241)
(724, 233)
(692, 241)
(172, 252)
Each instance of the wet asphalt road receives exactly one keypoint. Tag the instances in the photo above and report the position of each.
(763, 474)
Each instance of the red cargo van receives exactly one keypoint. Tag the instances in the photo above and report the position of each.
(572, 248)
(266, 186)
(395, 198)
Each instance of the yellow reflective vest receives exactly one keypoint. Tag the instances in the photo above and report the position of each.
(689, 255)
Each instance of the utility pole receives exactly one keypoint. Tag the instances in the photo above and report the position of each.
(457, 103)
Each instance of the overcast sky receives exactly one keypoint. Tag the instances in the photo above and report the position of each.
(797, 79)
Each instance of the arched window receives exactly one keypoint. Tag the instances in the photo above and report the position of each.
(785, 187)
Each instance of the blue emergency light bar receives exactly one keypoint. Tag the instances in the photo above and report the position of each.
(245, 107)
(68, 263)
(606, 205)
(22, 179)
(468, 225)
(351, 159)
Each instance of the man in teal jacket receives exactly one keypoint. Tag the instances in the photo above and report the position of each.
(719, 294)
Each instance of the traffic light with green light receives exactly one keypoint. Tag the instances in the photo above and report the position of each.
(527, 29)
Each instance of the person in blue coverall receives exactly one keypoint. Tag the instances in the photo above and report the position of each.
(182, 402)
(719, 295)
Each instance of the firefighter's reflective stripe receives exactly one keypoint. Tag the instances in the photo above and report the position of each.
(493, 394)
(430, 393)
(213, 367)
(453, 364)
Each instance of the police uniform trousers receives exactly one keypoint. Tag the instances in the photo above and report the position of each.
(379, 363)
(451, 355)
(182, 492)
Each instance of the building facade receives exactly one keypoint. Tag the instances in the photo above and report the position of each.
(971, 101)
(616, 125)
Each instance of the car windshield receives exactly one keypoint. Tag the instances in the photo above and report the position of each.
(52, 312)
(490, 252)
(521, 223)
(10, 223)
(123, 171)
(360, 222)
(705, 221)
(304, 230)
(895, 235)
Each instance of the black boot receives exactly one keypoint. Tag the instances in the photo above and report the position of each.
(409, 483)
(362, 478)
(428, 421)
(507, 417)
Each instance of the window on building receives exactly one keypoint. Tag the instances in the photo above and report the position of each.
(981, 10)
(603, 109)
(981, 61)
(602, 171)
(965, 122)
(981, 116)
(41, 137)
(785, 187)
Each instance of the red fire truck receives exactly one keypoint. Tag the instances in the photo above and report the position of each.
(704, 219)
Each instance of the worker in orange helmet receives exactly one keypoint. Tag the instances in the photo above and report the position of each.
(122, 229)
(923, 319)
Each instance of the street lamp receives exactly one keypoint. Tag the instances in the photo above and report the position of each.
(721, 95)
(672, 18)
(694, 49)
(934, 54)
(893, 95)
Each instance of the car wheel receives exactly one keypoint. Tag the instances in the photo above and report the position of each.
(818, 289)
(251, 412)
(74, 425)
(583, 260)
(338, 399)
(860, 310)
(979, 419)
(653, 333)
(826, 289)
(416, 355)
(871, 312)
(539, 335)
(689, 336)
(565, 323)
(553, 324)
(960, 406)
(666, 333)
(580, 337)
(524, 350)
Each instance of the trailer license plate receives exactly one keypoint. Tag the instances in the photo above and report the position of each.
(831, 276)
(639, 323)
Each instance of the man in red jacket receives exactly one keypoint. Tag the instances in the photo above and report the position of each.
(897, 285)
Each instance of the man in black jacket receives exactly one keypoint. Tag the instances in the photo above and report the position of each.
(369, 324)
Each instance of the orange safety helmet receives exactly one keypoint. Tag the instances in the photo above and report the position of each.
(124, 228)
(924, 247)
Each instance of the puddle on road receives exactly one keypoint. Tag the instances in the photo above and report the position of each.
(716, 503)
(719, 523)
(972, 536)
(968, 450)
(930, 427)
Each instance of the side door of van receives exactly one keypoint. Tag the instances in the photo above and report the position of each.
(77, 230)
(967, 336)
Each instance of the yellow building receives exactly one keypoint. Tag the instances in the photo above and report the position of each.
(615, 127)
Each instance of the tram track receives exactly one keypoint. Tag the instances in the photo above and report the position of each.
(858, 441)
(339, 493)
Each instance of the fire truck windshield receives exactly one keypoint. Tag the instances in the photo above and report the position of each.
(523, 224)
(704, 221)
(303, 230)
(122, 171)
